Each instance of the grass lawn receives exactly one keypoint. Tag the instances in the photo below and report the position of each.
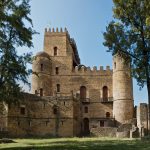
(77, 144)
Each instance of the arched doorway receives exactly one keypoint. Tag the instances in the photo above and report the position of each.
(82, 92)
(86, 130)
(105, 93)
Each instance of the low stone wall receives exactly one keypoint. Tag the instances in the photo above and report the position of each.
(103, 131)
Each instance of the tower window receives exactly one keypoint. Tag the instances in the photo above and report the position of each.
(85, 109)
(55, 111)
(55, 51)
(41, 67)
(58, 87)
(41, 92)
(29, 123)
(114, 65)
(22, 110)
(57, 70)
(36, 92)
(105, 93)
(101, 123)
(107, 115)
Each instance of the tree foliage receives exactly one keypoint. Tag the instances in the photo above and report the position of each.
(129, 33)
(16, 30)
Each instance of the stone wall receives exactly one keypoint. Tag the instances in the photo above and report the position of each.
(104, 132)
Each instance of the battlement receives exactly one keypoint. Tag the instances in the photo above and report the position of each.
(56, 30)
(81, 69)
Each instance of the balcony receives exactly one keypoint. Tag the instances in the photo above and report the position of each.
(106, 100)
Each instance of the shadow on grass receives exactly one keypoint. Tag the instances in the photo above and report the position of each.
(88, 145)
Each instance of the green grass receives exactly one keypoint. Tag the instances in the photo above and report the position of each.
(77, 144)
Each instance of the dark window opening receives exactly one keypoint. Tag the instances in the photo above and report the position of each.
(18, 123)
(55, 111)
(22, 110)
(55, 51)
(64, 103)
(107, 115)
(85, 109)
(41, 67)
(58, 87)
(57, 70)
(82, 92)
(105, 94)
(29, 123)
(36, 92)
(62, 122)
(101, 123)
(41, 92)
(114, 65)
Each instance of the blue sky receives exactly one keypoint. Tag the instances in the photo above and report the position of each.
(86, 21)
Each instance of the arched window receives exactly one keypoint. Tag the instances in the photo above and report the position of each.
(105, 93)
(58, 87)
(55, 51)
(83, 92)
(86, 109)
(55, 111)
(41, 92)
(107, 115)
(57, 70)
(41, 67)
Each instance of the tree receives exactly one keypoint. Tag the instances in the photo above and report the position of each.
(13, 34)
(129, 34)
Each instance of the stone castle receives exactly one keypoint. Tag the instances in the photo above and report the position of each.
(69, 99)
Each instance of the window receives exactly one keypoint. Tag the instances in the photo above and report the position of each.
(83, 92)
(57, 70)
(36, 92)
(22, 110)
(55, 111)
(105, 94)
(107, 115)
(18, 123)
(58, 87)
(114, 65)
(85, 109)
(29, 123)
(55, 51)
(62, 122)
(101, 123)
(41, 92)
(41, 67)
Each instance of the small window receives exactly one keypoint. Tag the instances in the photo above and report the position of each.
(64, 103)
(57, 70)
(41, 92)
(41, 67)
(18, 123)
(44, 105)
(29, 123)
(101, 123)
(107, 115)
(58, 87)
(55, 51)
(46, 123)
(36, 92)
(114, 65)
(22, 110)
(62, 122)
(85, 109)
(55, 111)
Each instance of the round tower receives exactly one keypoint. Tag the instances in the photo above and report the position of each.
(41, 77)
(122, 91)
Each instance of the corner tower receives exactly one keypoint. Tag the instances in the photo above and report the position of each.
(122, 91)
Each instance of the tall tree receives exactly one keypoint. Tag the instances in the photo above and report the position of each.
(14, 33)
(129, 33)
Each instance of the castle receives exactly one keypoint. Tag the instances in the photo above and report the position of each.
(69, 99)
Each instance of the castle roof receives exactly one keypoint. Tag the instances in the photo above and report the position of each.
(42, 54)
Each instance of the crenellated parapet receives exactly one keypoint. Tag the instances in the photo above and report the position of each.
(56, 30)
(83, 70)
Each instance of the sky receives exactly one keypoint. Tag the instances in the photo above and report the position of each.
(86, 20)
